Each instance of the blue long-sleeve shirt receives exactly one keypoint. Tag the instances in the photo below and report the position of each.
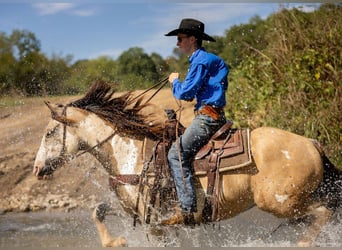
(207, 80)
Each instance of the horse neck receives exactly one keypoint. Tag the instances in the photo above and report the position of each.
(122, 156)
(116, 153)
(127, 153)
(91, 130)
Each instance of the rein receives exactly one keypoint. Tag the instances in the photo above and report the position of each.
(158, 187)
(97, 145)
(62, 154)
(162, 83)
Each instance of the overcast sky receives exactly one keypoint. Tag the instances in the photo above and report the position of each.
(88, 29)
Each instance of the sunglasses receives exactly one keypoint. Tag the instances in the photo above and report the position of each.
(180, 38)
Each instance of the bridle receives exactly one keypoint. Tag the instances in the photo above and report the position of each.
(54, 163)
(62, 154)
(162, 83)
(63, 158)
(159, 162)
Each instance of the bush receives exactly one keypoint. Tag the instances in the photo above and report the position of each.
(295, 82)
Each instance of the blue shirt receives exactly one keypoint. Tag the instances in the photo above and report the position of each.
(207, 80)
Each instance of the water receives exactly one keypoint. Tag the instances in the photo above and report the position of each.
(76, 229)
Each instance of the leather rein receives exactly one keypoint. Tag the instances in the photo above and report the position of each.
(62, 156)
(133, 179)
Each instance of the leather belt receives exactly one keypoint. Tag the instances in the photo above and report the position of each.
(211, 111)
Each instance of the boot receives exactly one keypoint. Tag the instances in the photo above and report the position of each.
(179, 217)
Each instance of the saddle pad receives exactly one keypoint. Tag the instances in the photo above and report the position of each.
(233, 146)
(238, 158)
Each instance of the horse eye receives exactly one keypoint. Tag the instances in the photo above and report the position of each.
(51, 132)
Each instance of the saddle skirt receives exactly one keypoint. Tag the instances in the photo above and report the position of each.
(232, 147)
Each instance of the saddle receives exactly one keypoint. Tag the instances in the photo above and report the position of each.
(226, 150)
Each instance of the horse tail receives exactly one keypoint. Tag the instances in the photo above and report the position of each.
(330, 189)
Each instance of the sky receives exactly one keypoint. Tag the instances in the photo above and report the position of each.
(91, 28)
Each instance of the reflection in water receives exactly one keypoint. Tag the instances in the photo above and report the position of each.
(76, 229)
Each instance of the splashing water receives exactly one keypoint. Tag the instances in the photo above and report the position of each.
(253, 228)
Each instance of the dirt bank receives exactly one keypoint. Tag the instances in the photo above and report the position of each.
(81, 184)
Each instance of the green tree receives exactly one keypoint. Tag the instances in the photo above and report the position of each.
(137, 66)
(54, 74)
(216, 47)
(25, 42)
(84, 72)
(294, 83)
(7, 64)
(178, 62)
(241, 38)
(29, 73)
(29, 62)
(161, 65)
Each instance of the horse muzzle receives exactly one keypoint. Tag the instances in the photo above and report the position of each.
(44, 173)
(51, 164)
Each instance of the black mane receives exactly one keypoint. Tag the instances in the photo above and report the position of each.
(123, 111)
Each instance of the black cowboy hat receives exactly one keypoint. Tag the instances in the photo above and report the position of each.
(192, 27)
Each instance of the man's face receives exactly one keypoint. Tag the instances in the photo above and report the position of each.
(185, 43)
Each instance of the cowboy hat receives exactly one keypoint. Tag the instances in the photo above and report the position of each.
(192, 27)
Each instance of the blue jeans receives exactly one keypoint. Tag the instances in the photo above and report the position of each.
(191, 141)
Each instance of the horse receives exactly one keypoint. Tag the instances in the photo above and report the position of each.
(289, 175)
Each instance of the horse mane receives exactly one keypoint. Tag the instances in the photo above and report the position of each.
(122, 111)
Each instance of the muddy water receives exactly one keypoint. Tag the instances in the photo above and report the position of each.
(75, 229)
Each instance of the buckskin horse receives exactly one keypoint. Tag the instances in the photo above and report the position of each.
(283, 173)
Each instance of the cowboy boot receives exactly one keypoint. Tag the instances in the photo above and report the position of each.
(179, 217)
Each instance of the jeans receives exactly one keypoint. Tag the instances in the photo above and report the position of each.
(191, 141)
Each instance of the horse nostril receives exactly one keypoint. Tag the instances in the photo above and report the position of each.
(35, 170)
(45, 172)
(51, 164)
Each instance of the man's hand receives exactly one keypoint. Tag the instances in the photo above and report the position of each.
(173, 76)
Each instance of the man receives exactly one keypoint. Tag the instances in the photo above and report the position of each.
(207, 82)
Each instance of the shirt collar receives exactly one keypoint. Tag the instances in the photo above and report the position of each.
(195, 53)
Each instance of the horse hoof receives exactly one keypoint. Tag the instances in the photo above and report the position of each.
(121, 242)
(117, 242)
(100, 212)
(304, 243)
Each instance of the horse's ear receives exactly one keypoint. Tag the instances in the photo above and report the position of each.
(60, 118)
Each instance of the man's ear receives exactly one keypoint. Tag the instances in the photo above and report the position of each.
(193, 39)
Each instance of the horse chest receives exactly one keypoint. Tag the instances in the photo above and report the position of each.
(126, 153)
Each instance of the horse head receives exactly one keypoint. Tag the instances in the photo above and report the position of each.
(57, 143)
(89, 122)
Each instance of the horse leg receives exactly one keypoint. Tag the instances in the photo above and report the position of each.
(321, 217)
(106, 239)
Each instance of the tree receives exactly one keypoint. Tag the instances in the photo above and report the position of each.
(135, 63)
(84, 72)
(161, 65)
(215, 47)
(241, 38)
(25, 43)
(7, 62)
(53, 75)
(29, 62)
